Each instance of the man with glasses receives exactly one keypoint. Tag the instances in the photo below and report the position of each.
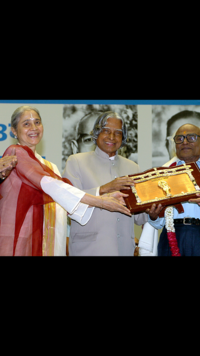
(98, 172)
(187, 224)
(177, 120)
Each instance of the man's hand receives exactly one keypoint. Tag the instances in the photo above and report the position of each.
(116, 184)
(154, 211)
(7, 163)
(197, 200)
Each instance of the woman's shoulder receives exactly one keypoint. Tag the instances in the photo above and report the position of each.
(19, 150)
(9, 150)
(48, 163)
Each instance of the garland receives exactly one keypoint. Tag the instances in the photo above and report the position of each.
(171, 234)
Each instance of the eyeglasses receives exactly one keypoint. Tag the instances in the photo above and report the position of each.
(190, 138)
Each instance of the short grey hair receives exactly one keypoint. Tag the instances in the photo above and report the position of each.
(101, 121)
(17, 113)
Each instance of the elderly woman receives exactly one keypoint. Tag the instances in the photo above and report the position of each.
(35, 198)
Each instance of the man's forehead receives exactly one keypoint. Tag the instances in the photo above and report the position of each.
(188, 129)
(114, 122)
(111, 128)
(182, 121)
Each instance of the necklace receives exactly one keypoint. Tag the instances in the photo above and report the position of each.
(171, 234)
(169, 224)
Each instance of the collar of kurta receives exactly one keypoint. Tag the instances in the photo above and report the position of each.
(103, 154)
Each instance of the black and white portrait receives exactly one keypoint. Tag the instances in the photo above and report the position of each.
(166, 119)
(78, 122)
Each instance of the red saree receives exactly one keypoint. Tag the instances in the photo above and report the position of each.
(21, 205)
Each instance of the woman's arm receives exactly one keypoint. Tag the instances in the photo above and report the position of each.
(69, 197)
(112, 202)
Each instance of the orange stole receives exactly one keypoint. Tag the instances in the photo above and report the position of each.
(49, 224)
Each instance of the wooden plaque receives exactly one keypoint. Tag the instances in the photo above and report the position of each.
(168, 186)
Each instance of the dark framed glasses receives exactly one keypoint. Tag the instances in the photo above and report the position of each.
(190, 138)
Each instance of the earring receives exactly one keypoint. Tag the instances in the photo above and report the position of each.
(15, 136)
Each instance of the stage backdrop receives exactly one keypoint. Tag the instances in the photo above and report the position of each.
(166, 119)
(67, 125)
(61, 123)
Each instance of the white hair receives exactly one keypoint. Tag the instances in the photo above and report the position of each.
(101, 122)
(17, 113)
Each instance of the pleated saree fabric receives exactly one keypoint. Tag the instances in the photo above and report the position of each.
(23, 229)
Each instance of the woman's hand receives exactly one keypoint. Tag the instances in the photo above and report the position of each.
(117, 195)
(7, 163)
(112, 202)
(115, 202)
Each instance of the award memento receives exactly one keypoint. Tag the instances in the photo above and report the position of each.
(168, 186)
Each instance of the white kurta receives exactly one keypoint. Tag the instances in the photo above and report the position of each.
(68, 199)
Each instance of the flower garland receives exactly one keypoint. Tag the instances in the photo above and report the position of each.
(171, 234)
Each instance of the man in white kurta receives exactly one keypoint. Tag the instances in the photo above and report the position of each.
(107, 233)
